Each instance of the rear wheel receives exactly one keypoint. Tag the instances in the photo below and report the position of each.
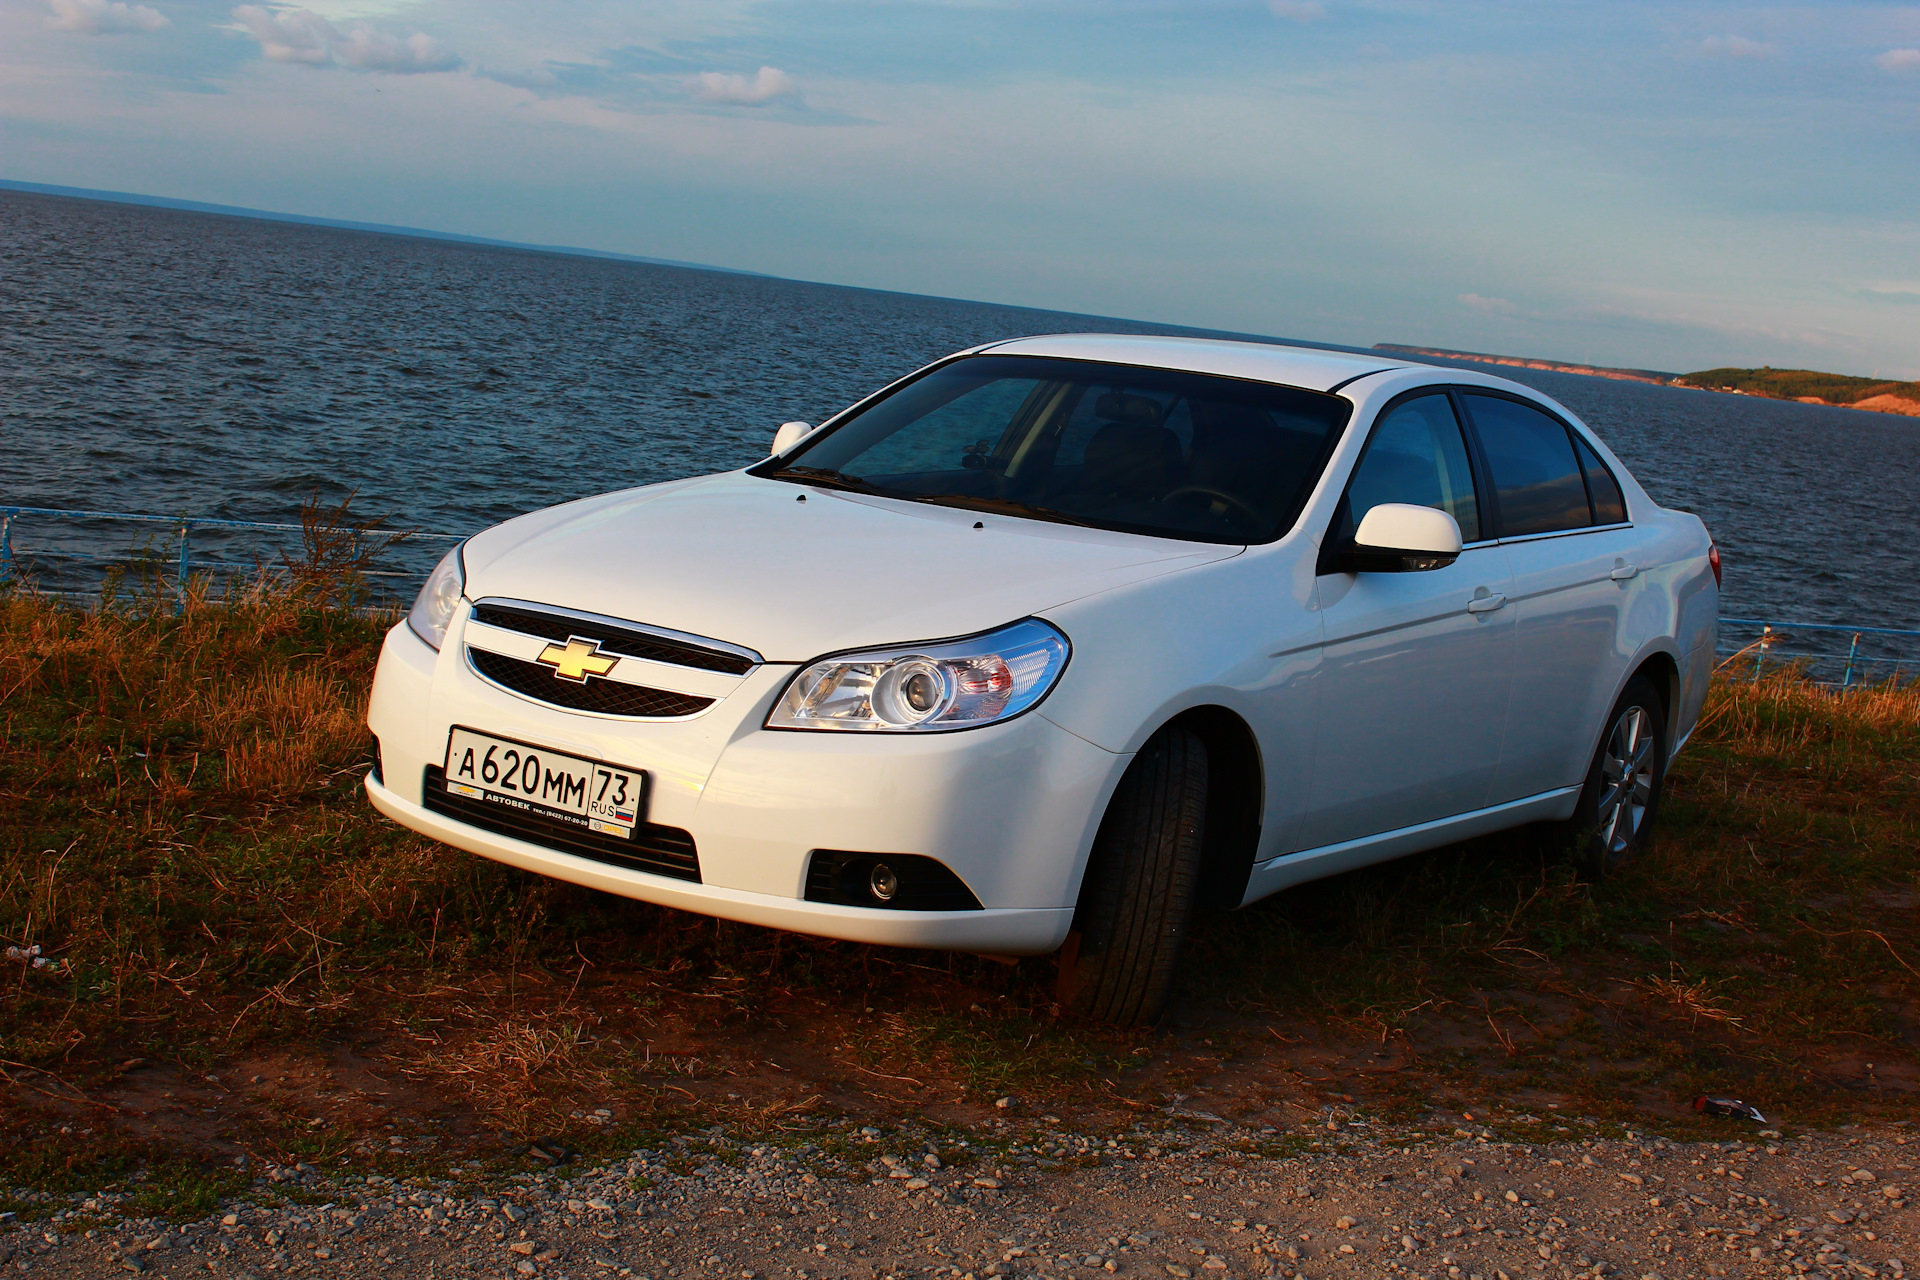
(1138, 896)
(1614, 822)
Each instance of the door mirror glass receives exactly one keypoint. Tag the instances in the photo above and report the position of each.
(1399, 537)
(789, 435)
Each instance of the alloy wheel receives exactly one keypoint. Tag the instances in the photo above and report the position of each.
(1626, 776)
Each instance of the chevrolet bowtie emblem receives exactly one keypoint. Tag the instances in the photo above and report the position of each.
(577, 659)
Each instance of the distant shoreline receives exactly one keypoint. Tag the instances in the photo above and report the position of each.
(1870, 395)
(1528, 362)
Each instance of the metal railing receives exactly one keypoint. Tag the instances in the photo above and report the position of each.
(180, 556)
(1775, 642)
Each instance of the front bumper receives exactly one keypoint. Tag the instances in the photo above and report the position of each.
(1010, 931)
(1011, 809)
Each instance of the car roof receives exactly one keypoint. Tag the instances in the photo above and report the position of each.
(1308, 367)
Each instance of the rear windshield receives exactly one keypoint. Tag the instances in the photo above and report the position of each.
(1179, 455)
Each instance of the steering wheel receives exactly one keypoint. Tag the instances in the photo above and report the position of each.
(1206, 491)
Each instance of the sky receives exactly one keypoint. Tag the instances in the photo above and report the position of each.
(1671, 185)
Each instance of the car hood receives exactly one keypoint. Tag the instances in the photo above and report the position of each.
(737, 558)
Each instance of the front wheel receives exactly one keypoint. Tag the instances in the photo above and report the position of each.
(1138, 896)
(1614, 821)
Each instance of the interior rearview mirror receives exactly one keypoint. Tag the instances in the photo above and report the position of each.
(1399, 537)
(789, 435)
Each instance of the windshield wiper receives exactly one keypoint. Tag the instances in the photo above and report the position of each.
(1004, 506)
(828, 478)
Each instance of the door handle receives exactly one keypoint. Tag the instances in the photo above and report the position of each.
(1621, 572)
(1486, 604)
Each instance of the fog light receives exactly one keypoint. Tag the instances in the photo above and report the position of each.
(882, 883)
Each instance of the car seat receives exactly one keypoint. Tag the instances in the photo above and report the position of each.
(1132, 457)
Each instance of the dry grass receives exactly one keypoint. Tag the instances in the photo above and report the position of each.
(181, 828)
(1696, 1000)
(512, 1070)
(165, 692)
(1770, 939)
(180, 824)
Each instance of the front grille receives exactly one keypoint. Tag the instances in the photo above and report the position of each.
(664, 851)
(612, 637)
(606, 697)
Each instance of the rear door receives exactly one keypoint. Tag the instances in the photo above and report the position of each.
(1416, 665)
(1563, 527)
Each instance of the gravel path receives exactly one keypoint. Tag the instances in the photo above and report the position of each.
(1188, 1199)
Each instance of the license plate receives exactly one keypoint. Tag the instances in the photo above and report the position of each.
(518, 775)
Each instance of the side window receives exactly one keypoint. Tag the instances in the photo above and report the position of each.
(1535, 475)
(1415, 455)
(1608, 506)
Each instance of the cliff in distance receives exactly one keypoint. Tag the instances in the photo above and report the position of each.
(1807, 386)
(1810, 386)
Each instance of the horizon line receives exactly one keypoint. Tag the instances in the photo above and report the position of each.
(346, 224)
(489, 242)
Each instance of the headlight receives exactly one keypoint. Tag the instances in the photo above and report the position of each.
(433, 609)
(955, 684)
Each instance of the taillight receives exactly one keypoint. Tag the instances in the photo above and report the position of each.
(1713, 562)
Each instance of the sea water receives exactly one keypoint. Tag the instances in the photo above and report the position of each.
(182, 363)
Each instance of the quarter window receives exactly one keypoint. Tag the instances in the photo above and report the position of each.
(1535, 474)
(1416, 455)
(1609, 507)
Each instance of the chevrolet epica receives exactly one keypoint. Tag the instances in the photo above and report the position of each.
(1045, 645)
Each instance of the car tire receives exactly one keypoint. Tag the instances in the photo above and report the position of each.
(1613, 824)
(1137, 899)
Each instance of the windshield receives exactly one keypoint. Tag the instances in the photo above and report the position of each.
(1180, 455)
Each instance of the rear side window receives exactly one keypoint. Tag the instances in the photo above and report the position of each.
(1608, 506)
(1536, 477)
(1415, 455)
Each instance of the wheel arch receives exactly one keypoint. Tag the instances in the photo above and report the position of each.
(1236, 793)
(1662, 670)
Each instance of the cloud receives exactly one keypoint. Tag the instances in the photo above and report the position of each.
(301, 35)
(1735, 47)
(103, 17)
(372, 50)
(719, 86)
(1298, 10)
(1899, 60)
(296, 35)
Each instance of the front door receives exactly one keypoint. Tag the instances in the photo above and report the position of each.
(1417, 667)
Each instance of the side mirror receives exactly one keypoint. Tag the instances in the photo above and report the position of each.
(1398, 537)
(789, 435)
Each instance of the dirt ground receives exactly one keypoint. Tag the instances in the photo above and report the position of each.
(1172, 1197)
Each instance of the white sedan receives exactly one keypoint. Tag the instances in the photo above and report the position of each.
(1053, 640)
